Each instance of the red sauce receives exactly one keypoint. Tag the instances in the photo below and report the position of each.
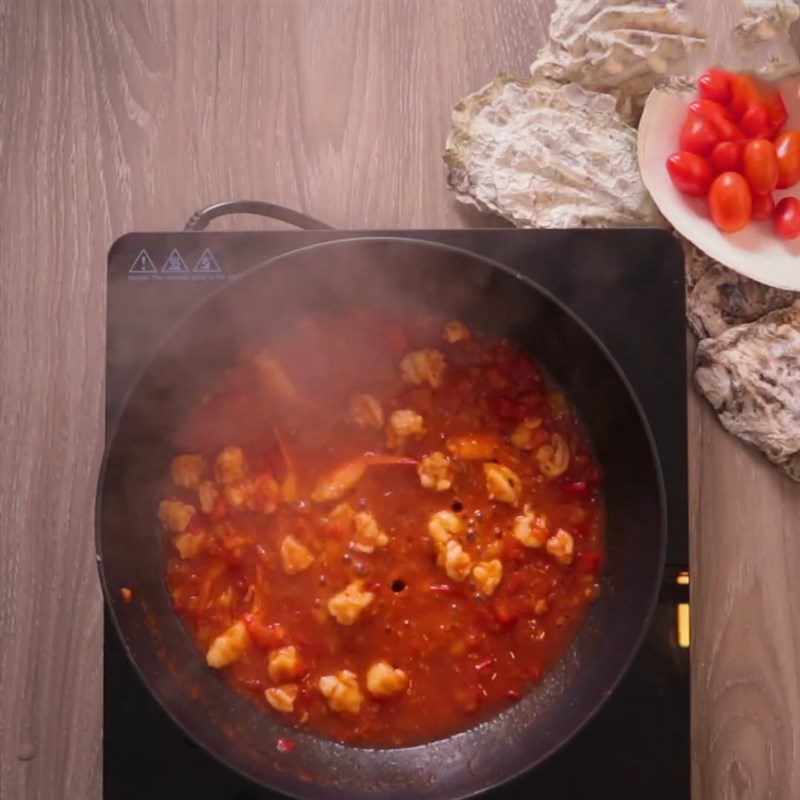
(465, 652)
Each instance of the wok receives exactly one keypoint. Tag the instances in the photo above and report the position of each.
(376, 271)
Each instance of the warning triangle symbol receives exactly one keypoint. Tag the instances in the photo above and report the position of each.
(142, 265)
(207, 263)
(175, 263)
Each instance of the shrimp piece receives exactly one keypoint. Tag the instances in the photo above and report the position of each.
(282, 698)
(436, 472)
(403, 424)
(474, 446)
(207, 494)
(288, 487)
(561, 546)
(368, 535)
(342, 479)
(457, 564)
(442, 526)
(346, 607)
(230, 465)
(502, 483)
(295, 556)
(523, 437)
(423, 366)
(553, 458)
(187, 470)
(284, 664)
(383, 680)
(530, 528)
(488, 575)
(175, 515)
(455, 331)
(228, 646)
(342, 692)
(189, 545)
(366, 411)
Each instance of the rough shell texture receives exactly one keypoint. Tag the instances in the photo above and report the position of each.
(763, 20)
(718, 298)
(623, 48)
(548, 155)
(751, 376)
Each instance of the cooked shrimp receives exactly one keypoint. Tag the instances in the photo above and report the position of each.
(423, 366)
(282, 698)
(295, 556)
(230, 465)
(175, 515)
(346, 607)
(343, 478)
(403, 424)
(383, 680)
(187, 470)
(366, 411)
(228, 646)
(561, 546)
(436, 472)
(368, 534)
(488, 575)
(455, 331)
(342, 692)
(530, 528)
(474, 446)
(553, 458)
(502, 483)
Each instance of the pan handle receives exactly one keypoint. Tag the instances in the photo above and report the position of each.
(199, 221)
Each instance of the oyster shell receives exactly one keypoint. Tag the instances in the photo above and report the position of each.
(751, 376)
(762, 20)
(623, 48)
(544, 154)
(718, 298)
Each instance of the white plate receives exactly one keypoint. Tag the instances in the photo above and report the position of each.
(755, 251)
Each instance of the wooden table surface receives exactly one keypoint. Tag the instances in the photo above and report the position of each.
(132, 115)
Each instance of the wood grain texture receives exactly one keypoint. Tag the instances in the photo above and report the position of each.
(131, 115)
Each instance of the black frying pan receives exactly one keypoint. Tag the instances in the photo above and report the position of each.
(364, 271)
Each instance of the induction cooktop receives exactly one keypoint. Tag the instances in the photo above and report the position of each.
(630, 293)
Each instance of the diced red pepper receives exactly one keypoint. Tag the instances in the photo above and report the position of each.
(513, 694)
(266, 636)
(577, 488)
(285, 745)
(485, 664)
(503, 611)
(443, 588)
(334, 530)
(588, 562)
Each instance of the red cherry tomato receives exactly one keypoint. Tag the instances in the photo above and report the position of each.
(727, 157)
(743, 94)
(786, 218)
(715, 85)
(763, 204)
(709, 109)
(787, 152)
(719, 117)
(755, 121)
(730, 202)
(698, 135)
(760, 166)
(690, 173)
(776, 109)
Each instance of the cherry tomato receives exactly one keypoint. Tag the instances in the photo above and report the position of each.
(743, 94)
(787, 151)
(760, 166)
(715, 85)
(727, 157)
(776, 109)
(709, 109)
(730, 202)
(786, 218)
(698, 135)
(755, 121)
(719, 117)
(763, 204)
(690, 173)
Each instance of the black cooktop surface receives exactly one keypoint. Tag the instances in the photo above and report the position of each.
(625, 286)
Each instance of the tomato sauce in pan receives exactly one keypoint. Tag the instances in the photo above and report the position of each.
(383, 530)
